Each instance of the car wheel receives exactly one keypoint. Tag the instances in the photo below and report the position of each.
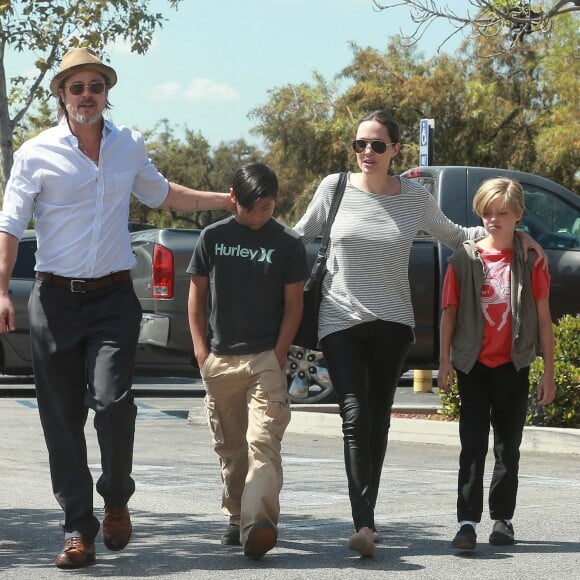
(307, 375)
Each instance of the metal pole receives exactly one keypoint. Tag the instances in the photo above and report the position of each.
(422, 381)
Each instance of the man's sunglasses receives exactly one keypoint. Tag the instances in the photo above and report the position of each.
(96, 87)
(378, 146)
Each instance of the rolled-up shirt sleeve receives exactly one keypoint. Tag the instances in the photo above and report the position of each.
(146, 186)
(19, 198)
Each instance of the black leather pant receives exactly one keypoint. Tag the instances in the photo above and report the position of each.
(365, 363)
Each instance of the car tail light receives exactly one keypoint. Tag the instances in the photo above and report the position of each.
(414, 172)
(163, 272)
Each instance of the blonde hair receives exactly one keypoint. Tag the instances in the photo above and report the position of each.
(508, 190)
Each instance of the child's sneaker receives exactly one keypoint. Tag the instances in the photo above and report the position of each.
(231, 537)
(465, 539)
(502, 534)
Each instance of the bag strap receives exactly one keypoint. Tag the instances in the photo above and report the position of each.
(336, 199)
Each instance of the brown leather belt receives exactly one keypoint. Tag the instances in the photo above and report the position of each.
(85, 284)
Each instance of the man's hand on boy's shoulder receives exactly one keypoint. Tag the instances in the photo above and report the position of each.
(528, 243)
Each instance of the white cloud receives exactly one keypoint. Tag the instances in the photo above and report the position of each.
(209, 90)
(197, 90)
(166, 92)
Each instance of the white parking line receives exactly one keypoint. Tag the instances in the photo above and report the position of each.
(144, 410)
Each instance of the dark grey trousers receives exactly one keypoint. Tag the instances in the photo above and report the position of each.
(83, 352)
(497, 397)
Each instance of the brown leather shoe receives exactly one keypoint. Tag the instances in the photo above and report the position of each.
(116, 527)
(261, 539)
(77, 552)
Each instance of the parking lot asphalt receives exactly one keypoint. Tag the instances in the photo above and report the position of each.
(177, 523)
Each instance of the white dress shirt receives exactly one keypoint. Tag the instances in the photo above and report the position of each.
(80, 209)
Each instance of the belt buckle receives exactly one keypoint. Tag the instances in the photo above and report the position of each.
(78, 286)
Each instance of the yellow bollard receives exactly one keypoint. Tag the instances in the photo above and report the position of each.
(422, 381)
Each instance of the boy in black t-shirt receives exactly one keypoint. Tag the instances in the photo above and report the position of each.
(245, 304)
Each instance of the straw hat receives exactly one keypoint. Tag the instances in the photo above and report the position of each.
(78, 59)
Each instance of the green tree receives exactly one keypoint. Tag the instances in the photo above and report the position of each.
(302, 139)
(410, 88)
(227, 157)
(500, 102)
(191, 161)
(47, 28)
(523, 104)
(382, 81)
(488, 112)
(558, 120)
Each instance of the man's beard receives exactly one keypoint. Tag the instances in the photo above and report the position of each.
(86, 119)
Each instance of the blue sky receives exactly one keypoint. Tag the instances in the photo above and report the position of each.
(214, 61)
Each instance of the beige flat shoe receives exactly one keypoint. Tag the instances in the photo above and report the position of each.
(362, 542)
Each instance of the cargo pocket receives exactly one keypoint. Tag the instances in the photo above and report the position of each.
(277, 412)
(277, 415)
(215, 425)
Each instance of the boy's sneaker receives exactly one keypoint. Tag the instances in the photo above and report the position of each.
(261, 539)
(231, 537)
(502, 534)
(465, 538)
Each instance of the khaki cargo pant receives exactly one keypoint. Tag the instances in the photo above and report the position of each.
(248, 412)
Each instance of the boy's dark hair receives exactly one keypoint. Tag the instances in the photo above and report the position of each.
(252, 182)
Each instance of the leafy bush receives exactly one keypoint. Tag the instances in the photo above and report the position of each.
(450, 402)
(565, 410)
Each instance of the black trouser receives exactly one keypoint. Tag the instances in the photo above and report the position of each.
(498, 396)
(83, 350)
(365, 363)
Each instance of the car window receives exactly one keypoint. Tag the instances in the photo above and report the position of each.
(550, 220)
(25, 261)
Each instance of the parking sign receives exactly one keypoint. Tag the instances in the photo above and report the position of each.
(426, 129)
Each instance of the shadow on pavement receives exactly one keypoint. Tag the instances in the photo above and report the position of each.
(172, 543)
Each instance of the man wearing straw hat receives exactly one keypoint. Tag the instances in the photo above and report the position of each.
(76, 180)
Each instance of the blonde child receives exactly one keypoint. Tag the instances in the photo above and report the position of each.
(495, 308)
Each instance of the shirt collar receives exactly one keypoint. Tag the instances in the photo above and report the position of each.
(64, 129)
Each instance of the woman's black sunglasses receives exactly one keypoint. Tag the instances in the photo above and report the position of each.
(378, 146)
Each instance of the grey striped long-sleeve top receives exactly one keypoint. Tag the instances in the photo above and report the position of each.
(368, 259)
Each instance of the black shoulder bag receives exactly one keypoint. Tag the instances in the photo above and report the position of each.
(307, 334)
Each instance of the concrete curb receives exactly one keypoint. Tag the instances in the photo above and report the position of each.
(535, 439)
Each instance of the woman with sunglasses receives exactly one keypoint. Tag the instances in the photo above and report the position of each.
(366, 316)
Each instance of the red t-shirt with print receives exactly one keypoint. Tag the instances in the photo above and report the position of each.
(495, 302)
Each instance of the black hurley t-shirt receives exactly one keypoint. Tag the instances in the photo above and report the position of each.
(247, 272)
